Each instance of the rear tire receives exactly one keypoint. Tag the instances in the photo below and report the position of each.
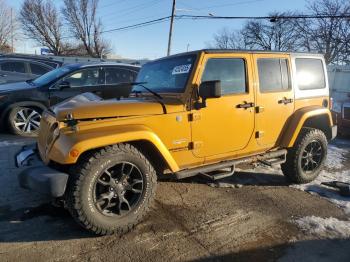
(24, 121)
(111, 190)
(306, 159)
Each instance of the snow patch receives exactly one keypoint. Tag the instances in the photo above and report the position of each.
(324, 227)
(335, 161)
(335, 157)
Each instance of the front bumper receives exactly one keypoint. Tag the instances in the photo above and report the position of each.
(40, 178)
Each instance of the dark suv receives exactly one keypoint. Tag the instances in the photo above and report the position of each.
(17, 69)
(22, 103)
(339, 82)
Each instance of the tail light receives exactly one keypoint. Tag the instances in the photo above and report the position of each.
(331, 103)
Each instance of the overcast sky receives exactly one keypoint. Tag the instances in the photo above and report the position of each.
(151, 41)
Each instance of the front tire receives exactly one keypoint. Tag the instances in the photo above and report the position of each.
(111, 190)
(306, 159)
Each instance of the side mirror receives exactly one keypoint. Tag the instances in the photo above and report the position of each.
(63, 85)
(210, 89)
(207, 90)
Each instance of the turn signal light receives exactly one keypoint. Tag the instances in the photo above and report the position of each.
(74, 153)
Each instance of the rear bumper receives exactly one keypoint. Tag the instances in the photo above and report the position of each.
(334, 131)
(343, 124)
(40, 178)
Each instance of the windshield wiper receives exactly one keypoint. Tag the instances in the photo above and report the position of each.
(148, 89)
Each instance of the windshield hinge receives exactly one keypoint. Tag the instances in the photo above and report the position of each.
(194, 117)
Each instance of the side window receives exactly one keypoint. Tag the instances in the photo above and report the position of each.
(273, 74)
(85, 77)
(38, 69)
(310, 73)
(18, 67)
(118, 75)
(230, 71)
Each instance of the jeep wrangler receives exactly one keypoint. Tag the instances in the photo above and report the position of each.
(201, 112)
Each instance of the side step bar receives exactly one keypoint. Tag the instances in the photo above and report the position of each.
(280, 155)
(220, 174)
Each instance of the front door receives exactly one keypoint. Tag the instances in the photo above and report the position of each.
(81, 81)
(224, 125)
(274, 97)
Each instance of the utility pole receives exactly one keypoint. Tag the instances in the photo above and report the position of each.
(171, 26)
(11, 21)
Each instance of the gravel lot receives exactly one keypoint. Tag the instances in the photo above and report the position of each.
(253, 216)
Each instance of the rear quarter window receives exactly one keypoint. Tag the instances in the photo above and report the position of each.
(38, 69)
(310, 73)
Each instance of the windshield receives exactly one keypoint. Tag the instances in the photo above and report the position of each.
(166, 75)
(51, 76)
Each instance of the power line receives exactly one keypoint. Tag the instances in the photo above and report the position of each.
(343, 16)
(223, 5)
(110, 4)
(129, 10)
(137, 25)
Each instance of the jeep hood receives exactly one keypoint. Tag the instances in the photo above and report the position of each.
(89, 106)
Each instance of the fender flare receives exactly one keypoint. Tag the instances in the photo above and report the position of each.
(298, 121)
(82, 142)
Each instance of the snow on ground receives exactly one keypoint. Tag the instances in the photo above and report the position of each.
(325, 228)
(334, 171)
(335, 157)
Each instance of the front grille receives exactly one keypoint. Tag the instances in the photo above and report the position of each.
(46, 135)
(347, 113)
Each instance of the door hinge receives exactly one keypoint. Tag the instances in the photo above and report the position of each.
(195, 145)
(259, 134)
(259, 109)
(194, 117)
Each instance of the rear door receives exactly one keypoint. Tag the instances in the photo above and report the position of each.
(12, 71)
(274, 97)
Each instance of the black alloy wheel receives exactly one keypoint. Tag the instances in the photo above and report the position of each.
(118, 189)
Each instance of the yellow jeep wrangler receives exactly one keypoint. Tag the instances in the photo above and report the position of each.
(201, 112)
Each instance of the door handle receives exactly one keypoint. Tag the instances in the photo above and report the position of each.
(285, 101)
(2, 75)
(245, 105)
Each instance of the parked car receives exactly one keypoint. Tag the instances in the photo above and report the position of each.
(21, 104)
(202, 112)
(42, 59)
(17, 69)
(339, 81)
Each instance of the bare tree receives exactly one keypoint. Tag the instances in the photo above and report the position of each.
(227, 39)
(5, 27)
(85, 26)
(41, 21)
(330, 36)
(277, 34)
